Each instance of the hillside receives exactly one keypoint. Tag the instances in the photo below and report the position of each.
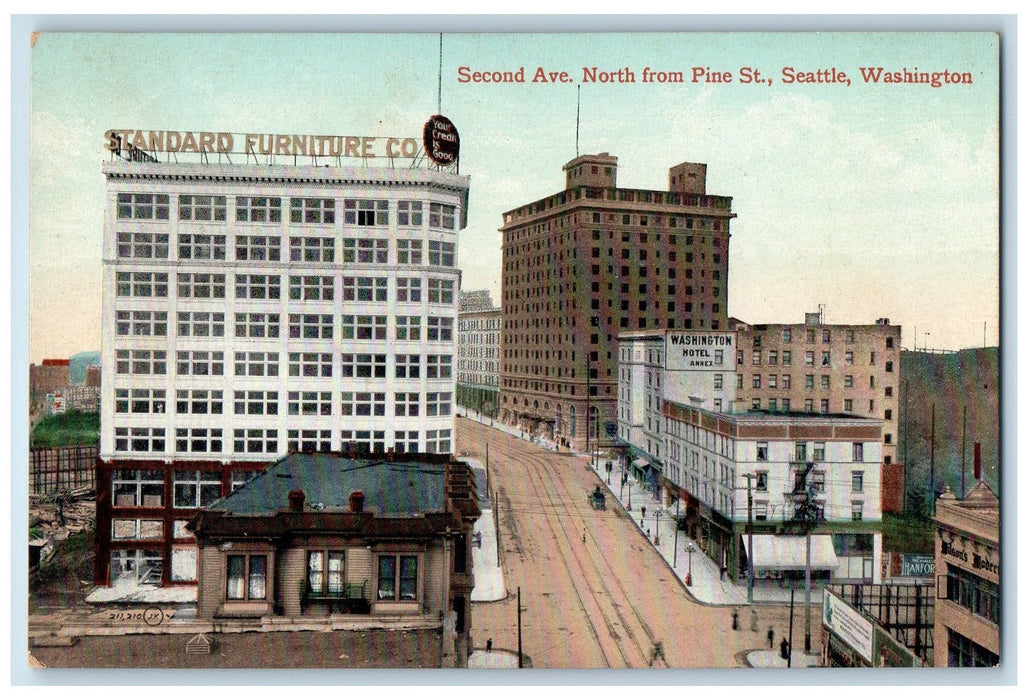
(949, 382)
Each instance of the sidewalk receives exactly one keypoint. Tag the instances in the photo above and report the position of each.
(489, 582)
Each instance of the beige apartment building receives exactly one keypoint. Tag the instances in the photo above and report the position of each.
(478, 351)
(593, 261)
(814, 367)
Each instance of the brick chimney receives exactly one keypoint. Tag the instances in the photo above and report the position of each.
(296, 499)
(357, 501)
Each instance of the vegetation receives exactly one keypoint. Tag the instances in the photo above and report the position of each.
(67, 429)
(57, 584)
(909, 533)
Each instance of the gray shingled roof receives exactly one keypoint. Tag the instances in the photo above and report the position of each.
(390, 489)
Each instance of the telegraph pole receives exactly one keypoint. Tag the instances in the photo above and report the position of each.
(520, 664)
(963, 452)
(749, 529)
(931, 494)
(678, 510)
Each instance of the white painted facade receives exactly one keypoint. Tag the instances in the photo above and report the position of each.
(252, 309)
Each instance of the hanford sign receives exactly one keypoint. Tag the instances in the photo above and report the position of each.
(709, 351)
(127, 142)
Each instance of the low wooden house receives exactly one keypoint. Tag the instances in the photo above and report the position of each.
(370, 540)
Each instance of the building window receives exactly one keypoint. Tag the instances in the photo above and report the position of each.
(196, 402)
(310, 326)
(858, 452)
(719, 381)
(408, 328)
(762, 452)
(442, 216)
(437, 441)
(772, 357)
(136, 529)
(973, 593)
(857, 510)
(365, 288)
(257, 325)
(962, 652)
(849, 357)
(258, 287)
(311, 288)
(800, 451)
(197, 489)
(246, 577)
(366, 212)
(312, 249)
(137, 488)
(438, 403)
(408, 251)
(440, 291)
(258, 248)
(198, 441)
(739, 381)
(201, 207)
(310, 364)
(850, 336)
(142, 566)
(408, 366)
(847, 405)
(397, 577)
(825, 381)
(888, 366)
(406, 403)
(310, 403)
(824, 405)
(201, 246)
(440, 328)
(756, 357)
(888, 341)
(142, 284)
(201, 286)
(772, 381)
(256, 403)
(256, 364)
(139, 400)
(141, 323)
(819, 452)
(364, 365)
(308, 210)
(786, 335)
(137, 205)
(259, 209)
(438, 366)
(408, 289)
(857, 482)
(364, 327)
(808, 381)
(787, 358)
(786, 382)
(808, 358)
(760, 510)
(408, 213)
(151, 362)
(440, 253)
(309, 440)
(756, 381)
(200, 363)
(201, 324)
(326, 573)
(826, 335)
(255, 440)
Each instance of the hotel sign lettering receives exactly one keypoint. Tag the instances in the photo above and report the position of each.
(700, 351)
(135, 140)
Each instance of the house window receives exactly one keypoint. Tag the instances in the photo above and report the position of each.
(199, 401)
(397, 577)
(257, 325)
(857, 510)
(137, 565)
(849, 336)
(201, 324)
(857, 482)
(756, 357)
(858, 452)
(246, 577)
(326, 573)
(310, 326)
(755, 404)
(888, 342)
(761, 481)
(801, 452)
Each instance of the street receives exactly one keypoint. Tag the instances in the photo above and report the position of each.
(594, 592)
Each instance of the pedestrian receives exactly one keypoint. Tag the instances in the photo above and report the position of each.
(489, 644)
(647, 533)
(583, 536)
(723, 570)
(785, 648)
(770, 637)
(644, 511)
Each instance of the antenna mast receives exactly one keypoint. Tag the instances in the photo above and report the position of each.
(578, 118)
(439, 105)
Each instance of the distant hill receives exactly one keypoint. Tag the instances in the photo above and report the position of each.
(949, 382)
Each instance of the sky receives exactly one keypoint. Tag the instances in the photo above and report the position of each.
(872, 200)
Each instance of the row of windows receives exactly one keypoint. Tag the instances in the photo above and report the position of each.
(207, 440)
(205, 324)
(302, 210)
(809, 358)
(812, 337)
(202, 363)
(825, 381)
(300, 287)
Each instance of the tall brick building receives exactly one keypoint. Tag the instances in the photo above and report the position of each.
(591, 262)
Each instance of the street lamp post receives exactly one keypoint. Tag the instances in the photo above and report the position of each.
(688, 576)
(678, 508)
(656, 537)
(629, 496)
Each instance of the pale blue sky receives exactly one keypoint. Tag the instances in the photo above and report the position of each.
(872, 200)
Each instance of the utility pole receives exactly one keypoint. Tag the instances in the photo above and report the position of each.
(678, 509)
(807, 514)
(488, 484)
(520, 664)
(749, 529)
(931, 494)
(496, 523)
(963, 452)
(792, 603)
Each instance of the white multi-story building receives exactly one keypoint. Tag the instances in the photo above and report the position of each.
(250, 310)
(478, 352)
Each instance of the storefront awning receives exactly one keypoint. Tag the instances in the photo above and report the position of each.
(641, 463)
(790, 552)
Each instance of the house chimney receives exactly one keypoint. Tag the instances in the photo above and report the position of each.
(296, 499)
(357, 501)
(977, 461)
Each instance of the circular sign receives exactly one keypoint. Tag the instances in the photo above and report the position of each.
(441, 140)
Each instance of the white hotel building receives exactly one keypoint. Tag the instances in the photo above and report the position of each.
(250, 310)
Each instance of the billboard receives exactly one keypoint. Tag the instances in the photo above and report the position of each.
(848, 625)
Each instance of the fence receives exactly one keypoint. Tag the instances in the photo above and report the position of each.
(53, 469)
